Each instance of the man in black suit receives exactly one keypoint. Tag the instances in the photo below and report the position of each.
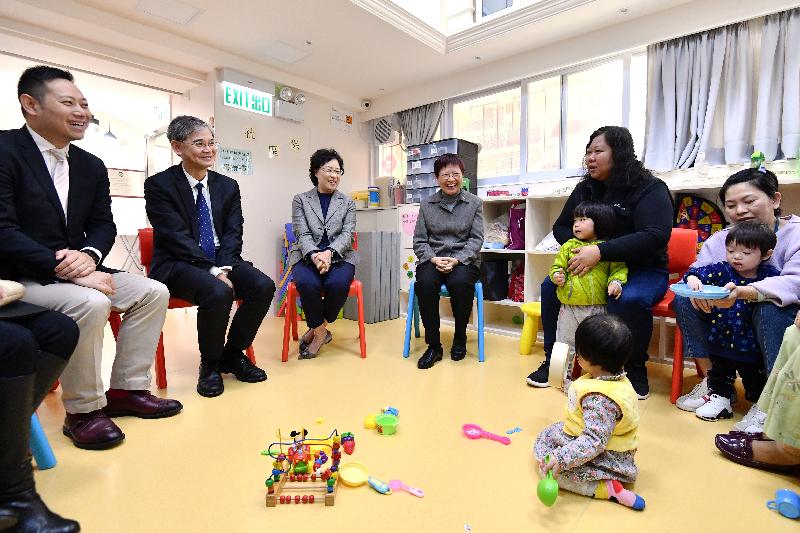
(197, 221)
(55, 229)
(36, 346)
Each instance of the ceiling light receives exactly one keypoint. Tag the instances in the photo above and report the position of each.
(109, 134)
(477, 58)
(309, 43)
(624, 11)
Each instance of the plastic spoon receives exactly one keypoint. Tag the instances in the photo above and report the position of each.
(547, 490)
(396, 485)
(474, 431)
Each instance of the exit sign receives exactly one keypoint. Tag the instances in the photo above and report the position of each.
(246, 98)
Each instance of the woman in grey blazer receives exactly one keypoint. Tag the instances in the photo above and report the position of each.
(322, 256)
(447, 241)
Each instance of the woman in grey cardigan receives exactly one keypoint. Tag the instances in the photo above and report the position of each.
(322, 257)
(447, 240)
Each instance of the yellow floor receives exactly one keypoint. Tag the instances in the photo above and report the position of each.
(201, 471)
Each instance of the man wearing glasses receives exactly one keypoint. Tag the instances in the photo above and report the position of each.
(197, 221)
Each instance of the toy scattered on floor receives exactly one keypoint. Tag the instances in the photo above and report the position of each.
(319, 421)
(560, 365)
(397, 485)
(514, 430)
(473, 431)
(547, 490)
(353, 474)
(379, 485)
(516, 319)
(299, 468)
(786, 502)
(385, 421)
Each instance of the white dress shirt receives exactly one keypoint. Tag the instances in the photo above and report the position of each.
(50, 161)
(215, 271)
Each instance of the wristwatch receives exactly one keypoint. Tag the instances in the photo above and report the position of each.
(93, 255)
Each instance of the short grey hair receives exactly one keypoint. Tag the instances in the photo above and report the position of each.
(181, 127)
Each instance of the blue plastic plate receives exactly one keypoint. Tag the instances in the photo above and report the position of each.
(709, 292)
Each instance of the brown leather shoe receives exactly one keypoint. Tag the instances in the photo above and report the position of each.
(139, 403)
(92, 431)
(739, 449)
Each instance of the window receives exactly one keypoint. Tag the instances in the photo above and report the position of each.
(493, 121)
(489, 7)
(544, 124)
(392, 161)
(594, 99)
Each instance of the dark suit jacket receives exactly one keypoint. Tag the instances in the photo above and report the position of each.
(32, 222)
(171, 209)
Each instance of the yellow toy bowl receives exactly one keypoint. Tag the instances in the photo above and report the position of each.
(353, 474)
(387, 424)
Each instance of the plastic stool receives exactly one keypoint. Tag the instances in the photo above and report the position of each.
(533, 312)
(40, 446)
(413, 316)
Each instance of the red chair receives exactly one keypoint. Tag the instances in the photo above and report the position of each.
(682, 252)
(146, 252)
(290, 313)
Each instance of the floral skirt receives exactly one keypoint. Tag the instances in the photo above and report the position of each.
(780, 398)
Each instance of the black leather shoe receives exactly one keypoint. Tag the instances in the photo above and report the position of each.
(431, 356)
(209, 383)
(33, 515)
(244, 370)
(458, 352)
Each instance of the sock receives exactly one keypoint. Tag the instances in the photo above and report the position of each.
(611, 489)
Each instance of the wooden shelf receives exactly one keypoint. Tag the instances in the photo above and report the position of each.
(540, 252)
(509, 303)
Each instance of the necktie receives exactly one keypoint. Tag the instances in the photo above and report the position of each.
(204, 223)
(61, 177)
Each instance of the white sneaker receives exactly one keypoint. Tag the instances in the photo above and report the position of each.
(716, 408)
(752, 422)
(697, 397)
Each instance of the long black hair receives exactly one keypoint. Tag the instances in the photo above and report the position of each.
(627, 171)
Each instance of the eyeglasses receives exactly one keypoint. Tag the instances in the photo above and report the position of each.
(332, 171)
(200, 145)
(449, 175)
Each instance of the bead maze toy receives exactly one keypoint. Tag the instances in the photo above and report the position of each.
(297, 467)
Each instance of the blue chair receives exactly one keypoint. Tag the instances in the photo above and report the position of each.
(40, 446)
(413, 315)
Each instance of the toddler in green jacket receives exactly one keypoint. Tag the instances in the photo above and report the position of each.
(586, 295)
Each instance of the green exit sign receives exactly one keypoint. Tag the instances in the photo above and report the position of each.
(246, 98)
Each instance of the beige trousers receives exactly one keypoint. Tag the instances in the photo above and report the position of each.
(143, 304)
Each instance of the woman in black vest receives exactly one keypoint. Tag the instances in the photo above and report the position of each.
(643, 207)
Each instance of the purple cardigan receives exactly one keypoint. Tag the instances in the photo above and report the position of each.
(784, 289)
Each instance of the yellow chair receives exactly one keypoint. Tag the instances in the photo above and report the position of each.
(533, 311)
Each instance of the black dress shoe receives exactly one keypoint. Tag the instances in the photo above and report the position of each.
(33, 515)
(244, 370)
(431, 356)
(458, 352)
(209, 383)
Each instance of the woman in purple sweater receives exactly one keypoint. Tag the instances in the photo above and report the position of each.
(750, 194)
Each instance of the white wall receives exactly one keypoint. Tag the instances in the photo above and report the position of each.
(267, 193)
(664, 25)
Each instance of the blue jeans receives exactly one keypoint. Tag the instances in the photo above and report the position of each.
(644, 289)
(769, 321)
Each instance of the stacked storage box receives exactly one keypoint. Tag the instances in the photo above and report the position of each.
(421, 181)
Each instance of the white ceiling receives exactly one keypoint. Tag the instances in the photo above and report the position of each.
(353, 54)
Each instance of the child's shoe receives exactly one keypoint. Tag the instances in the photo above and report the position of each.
(697, 397)
(716, 408)
(753, 421)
